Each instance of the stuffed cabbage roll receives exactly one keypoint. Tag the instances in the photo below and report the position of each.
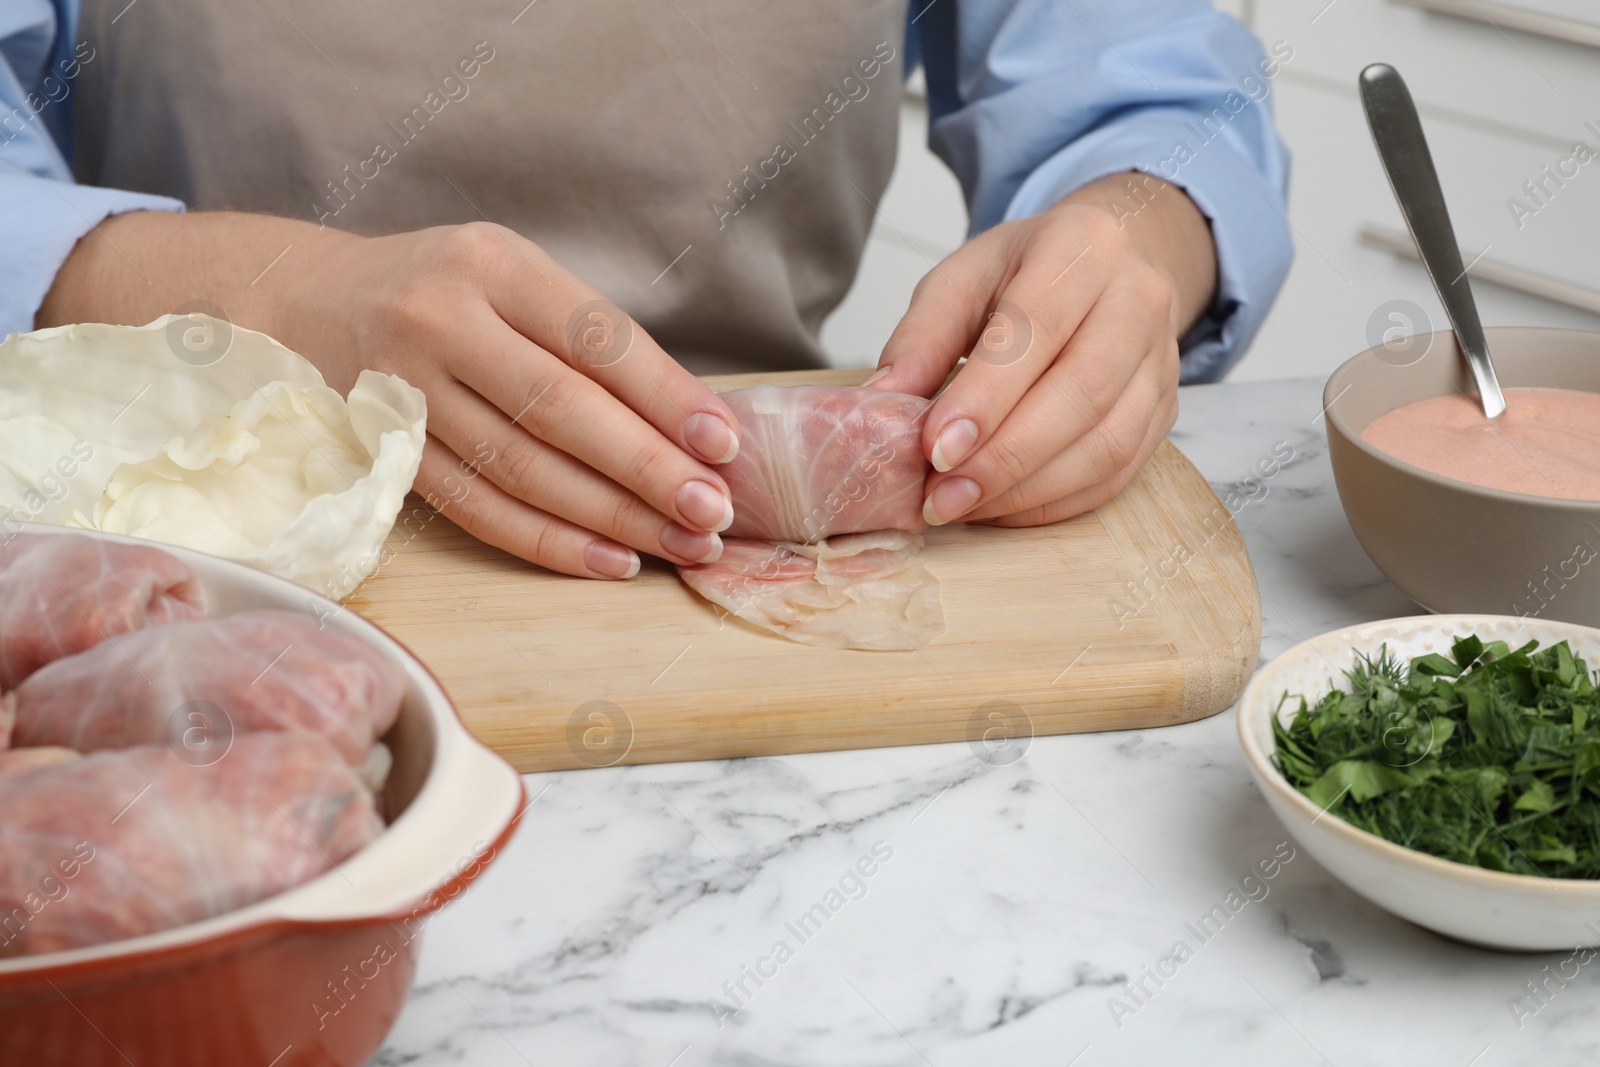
(119, 844)
(18, 760)
(867, 590)
(62, 593)
(820, 460)
(254, 671)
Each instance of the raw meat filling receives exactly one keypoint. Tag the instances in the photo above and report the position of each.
(827, 501)
(867, 591)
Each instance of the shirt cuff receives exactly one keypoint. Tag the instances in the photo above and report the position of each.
(1244, 207)
(40, 221)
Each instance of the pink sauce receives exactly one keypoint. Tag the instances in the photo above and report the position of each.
(1547, 443)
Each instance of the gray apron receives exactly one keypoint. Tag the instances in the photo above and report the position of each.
(709, 165)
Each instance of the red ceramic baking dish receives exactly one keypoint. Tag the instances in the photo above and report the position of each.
(313, 977)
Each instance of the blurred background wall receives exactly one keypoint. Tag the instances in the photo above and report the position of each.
(1508, 92)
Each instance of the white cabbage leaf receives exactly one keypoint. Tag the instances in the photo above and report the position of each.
(198, 433)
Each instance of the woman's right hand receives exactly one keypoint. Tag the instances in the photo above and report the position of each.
(557, 429)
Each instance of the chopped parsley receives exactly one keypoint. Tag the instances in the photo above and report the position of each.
(1490, 757)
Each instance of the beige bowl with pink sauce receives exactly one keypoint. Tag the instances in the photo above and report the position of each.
(1452, 546)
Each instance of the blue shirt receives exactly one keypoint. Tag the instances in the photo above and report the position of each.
(1028, 100)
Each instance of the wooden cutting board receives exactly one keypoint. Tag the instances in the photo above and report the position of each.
(1143, 613)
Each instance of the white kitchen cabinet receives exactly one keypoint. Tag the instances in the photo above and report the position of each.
(1493, 120)
(1337, 284)
(1581, 11)
(1498, 107)
(1519, 81)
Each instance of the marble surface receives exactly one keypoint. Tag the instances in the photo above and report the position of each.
(983, 913)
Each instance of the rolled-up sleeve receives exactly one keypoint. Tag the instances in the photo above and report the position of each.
(43, 212)
(1032, 99)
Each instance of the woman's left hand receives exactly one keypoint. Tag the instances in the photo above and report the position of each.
(1070, 323)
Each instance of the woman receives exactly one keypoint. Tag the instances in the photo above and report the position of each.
(546, 216)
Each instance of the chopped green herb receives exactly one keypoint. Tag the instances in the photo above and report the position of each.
(1490, 757)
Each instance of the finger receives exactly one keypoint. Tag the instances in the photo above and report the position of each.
(1122, 441)
(593, 336)
(562, 407)
(1075, 394)
(1084, 500)
(1063, 283)
(947, 308)
(546, 477)
(489, 514)
(1068, 485)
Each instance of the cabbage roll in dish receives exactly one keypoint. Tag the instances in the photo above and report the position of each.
(119, 844)
(62, 593)
(18, 760)
(264, 670)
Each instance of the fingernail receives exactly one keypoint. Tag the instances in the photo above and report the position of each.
(954, 443)
(612, 560)
(705, 506)
(950, 499)
(690, 544)
(879, 375)
(712, 439)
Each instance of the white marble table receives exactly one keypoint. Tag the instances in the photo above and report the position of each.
(1008, 907)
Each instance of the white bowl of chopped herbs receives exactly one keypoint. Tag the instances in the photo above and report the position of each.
(1446, 767)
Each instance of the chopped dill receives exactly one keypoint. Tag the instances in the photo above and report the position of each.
(1490, 757)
